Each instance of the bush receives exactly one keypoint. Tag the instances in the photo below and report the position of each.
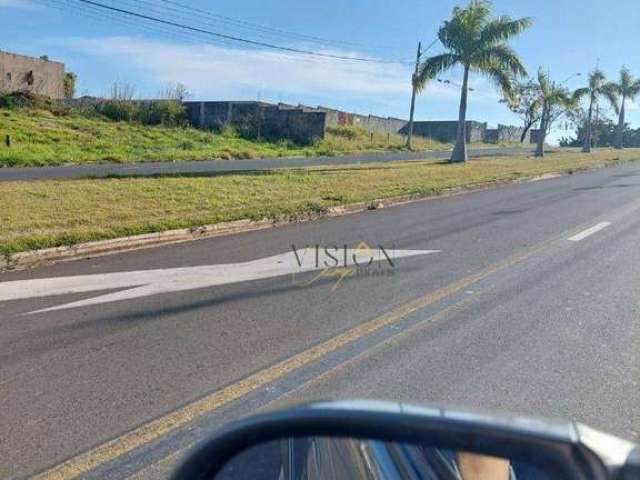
(167, 112)
(117, 110)
(7, 100)
(228, 131)
(26, 99)
(163, 112)
(69, 84)
(350, 132)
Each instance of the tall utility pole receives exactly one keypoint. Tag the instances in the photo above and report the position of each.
(413, 95)
(595, 127)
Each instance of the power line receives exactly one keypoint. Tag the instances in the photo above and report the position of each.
(151, 7)
(89, 11)
(200, 17)
(451, 82)
(430, 45)
(234, 38)
(193, 19)
(267, 29)
(100, 15)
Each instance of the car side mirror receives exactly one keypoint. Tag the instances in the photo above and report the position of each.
(383, 440)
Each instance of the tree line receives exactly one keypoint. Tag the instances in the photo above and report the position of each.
(476, 41)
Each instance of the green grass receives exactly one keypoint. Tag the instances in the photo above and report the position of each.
(40, 214)
(40, 138)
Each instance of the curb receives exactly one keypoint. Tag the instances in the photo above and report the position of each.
(36, 258)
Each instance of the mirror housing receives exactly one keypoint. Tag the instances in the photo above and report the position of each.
(564, 449)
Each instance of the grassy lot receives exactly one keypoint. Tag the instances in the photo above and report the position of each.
(41, 138)
(49, 213)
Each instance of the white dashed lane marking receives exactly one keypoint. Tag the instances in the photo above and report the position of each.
(589, 231)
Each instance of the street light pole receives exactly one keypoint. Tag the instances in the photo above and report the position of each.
(413, 96)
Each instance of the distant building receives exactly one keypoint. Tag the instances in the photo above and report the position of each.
(37, 75)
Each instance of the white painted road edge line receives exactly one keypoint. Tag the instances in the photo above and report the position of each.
(589, 231)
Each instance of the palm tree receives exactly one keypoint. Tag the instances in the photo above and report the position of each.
(476, 42)
(552, 101)
(597, 87)
(627, 89)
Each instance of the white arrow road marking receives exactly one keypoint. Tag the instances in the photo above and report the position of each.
(152, 282)
(589, 231)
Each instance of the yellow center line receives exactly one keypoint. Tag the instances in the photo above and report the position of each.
(155, 429)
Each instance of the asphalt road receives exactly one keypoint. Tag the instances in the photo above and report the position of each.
(219, 166)
(530, 305)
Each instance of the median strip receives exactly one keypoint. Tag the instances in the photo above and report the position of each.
(70, 215)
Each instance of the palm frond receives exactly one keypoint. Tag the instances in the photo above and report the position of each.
(500, 55)
(570, 102)
(432, 67)
(461, 32)
(626, 80)
(477, 14)
(503, 29)
(634, 90)
(544, 82)
(580, 93)
(477, 41)
(628, 87)
(561, 96)
(535, 107)
(501, 78)
(596, 79)
(610, 92)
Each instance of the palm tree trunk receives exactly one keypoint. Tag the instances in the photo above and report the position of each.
(542, 134)
(586, 148)
(620, 129)
(459, 153)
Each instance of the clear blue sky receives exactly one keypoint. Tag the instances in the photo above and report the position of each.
(568, 36)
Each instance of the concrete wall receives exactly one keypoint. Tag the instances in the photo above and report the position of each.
(370, 123)
(304, 124)
(301, 123)
(259, 119)
(446, 131)
(297, 125)
(533, 135)
(504, 133)
(21, 73)
(216, 114)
